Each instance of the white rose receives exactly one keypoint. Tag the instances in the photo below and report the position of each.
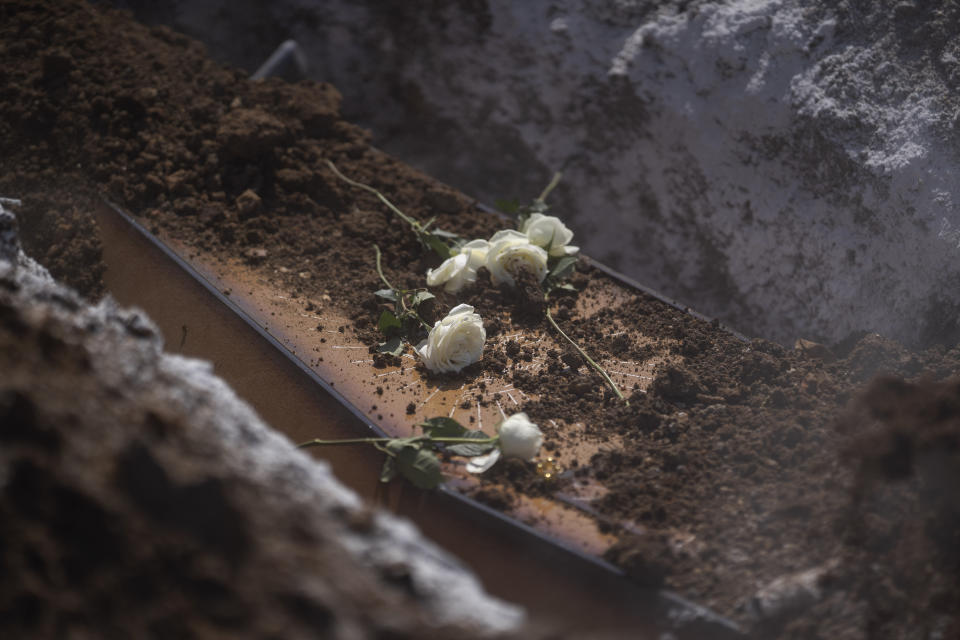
(509, 252)
(519, 438)
(454, 342)
(461, 269)
(550, 233)
(452, 274)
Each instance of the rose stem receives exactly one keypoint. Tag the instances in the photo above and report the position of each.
(399, 292)
(543, 197)
(413, 223)
(550, 187)
(376, 250)
(421, 230)
(586, 357)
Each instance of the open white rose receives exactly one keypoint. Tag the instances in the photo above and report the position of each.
(511, 251)
(461, 269)
(519, 438)
(454, 342)
(550, 233)
(453, 273)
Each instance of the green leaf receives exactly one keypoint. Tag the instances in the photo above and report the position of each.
(394, 446)
(419, 466)
(511, 205)
(387, 294)
(563, 268)
(388, 321)
(470, 450)
(393, 346)
(389, 470)
(443, 428)
(439, 246)
(422, 296)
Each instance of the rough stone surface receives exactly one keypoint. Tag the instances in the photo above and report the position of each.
(786, 165)
(140, 498)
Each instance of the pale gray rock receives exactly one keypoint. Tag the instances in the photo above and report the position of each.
(786, 165)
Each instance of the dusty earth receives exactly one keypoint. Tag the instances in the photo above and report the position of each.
(775, 484)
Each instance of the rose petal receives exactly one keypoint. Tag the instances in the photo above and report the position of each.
(479, 464)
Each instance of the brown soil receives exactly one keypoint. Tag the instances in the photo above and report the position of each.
(736, 466)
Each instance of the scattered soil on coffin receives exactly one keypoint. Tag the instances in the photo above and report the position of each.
(726, 472)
